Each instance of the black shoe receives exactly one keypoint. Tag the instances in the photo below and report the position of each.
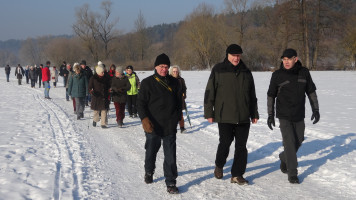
(218, 172)
(172, 189)
(119, 123)
(293, 179)
(131, 116)
(148, 178)
(104, 126)
(135, 115)
(81, 115)
(78, 117)
(94, 124)
(283, 167)
(183, 130)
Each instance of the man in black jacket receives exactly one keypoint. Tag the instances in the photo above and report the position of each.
(7, 72)
(159, 107)
(289, 84)
(230, 100)
(89, 73)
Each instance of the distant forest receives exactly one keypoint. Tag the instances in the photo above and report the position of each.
(322, 31)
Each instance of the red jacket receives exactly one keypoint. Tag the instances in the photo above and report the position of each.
(46, 74)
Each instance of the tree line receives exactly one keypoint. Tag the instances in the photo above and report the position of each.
(322, 31)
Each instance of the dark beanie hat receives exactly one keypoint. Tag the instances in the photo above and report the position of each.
(129, 67)
(83, 62)
(233, 49)
(162, 59)
(289, 53)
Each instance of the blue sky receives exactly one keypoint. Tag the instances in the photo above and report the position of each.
(20, 19)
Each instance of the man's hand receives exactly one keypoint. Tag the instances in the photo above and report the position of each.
(210, 120)
(270, 122)
(147, 125)
(315, 116)
(254, 121)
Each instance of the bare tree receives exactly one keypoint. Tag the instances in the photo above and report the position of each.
(96, 31)
(238, 8)
(141, 35)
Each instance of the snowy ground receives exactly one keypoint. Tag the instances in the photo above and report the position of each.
(45, 153)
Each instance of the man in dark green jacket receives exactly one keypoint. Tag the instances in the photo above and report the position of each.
(230, 100)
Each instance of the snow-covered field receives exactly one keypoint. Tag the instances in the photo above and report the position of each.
(45, 153)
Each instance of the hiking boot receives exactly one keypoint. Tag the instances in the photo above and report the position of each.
(81, 115)
(183, 130)
(104, 126)
(283, 167)
(239, 180)
(78, 117)
(131, 116)
(218, 172)
(293, 179)
(172, 189)
(135, 115)
(148, 178)
(119, 123)
(94, 124)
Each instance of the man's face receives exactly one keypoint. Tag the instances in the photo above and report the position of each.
(82, 66)
(162, 69)
(129, 71)
(288, 63)
(68, 67)
(234, 58)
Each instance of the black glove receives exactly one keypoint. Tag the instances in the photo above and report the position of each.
(315, 116)
(270, 122)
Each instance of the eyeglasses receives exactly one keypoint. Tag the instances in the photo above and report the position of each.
(288, 59)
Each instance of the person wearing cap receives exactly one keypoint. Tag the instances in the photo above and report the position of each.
(63, 72)
(230, 100)
(120, 84)
(89, 73)
(99, 86)
(19, 72)
(78, 89)
(159, 105)
(288, 85)
(133, 91)
(46, 77)
(39, 74)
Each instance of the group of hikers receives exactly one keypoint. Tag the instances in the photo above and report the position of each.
(229, 100)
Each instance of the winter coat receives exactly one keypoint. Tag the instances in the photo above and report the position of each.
(62, 70)
(230, 95)
(135, 83)
(88, 72)
(27, 70)
(19, 74)
(78, 85)
(46, 74)
(99, 89)
(32, 74)
(119, 87)
(162, 106)
(39, 71)
(54, 75)
(70, 74)
(7, 69)
(184, 91)
(290, 87)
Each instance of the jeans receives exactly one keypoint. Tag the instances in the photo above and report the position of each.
(152, 145)
(7, 77)
(67, 96)
(46, 88)
(227, 134)
(293, 136)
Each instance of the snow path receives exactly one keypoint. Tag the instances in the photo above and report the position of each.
(45, 153)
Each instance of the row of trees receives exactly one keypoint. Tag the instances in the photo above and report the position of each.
(323, 33)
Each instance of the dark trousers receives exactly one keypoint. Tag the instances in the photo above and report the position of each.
(227, 134)
(39, 81)
(33, 82)
(131, 104)
(293, 136)
(19, 81)
(27, 79)
(153, 144)
(79, 105)
(7, 77)
(120, 111)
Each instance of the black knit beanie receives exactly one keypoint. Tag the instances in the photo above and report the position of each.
(162, 59)
(233, 49)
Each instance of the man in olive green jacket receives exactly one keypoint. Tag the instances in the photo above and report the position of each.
(230, 100)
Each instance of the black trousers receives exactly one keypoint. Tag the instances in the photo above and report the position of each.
(152, 145)
(293, 136)
(227, 134)
(131, 104)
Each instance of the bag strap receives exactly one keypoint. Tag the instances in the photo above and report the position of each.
(163, 83)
